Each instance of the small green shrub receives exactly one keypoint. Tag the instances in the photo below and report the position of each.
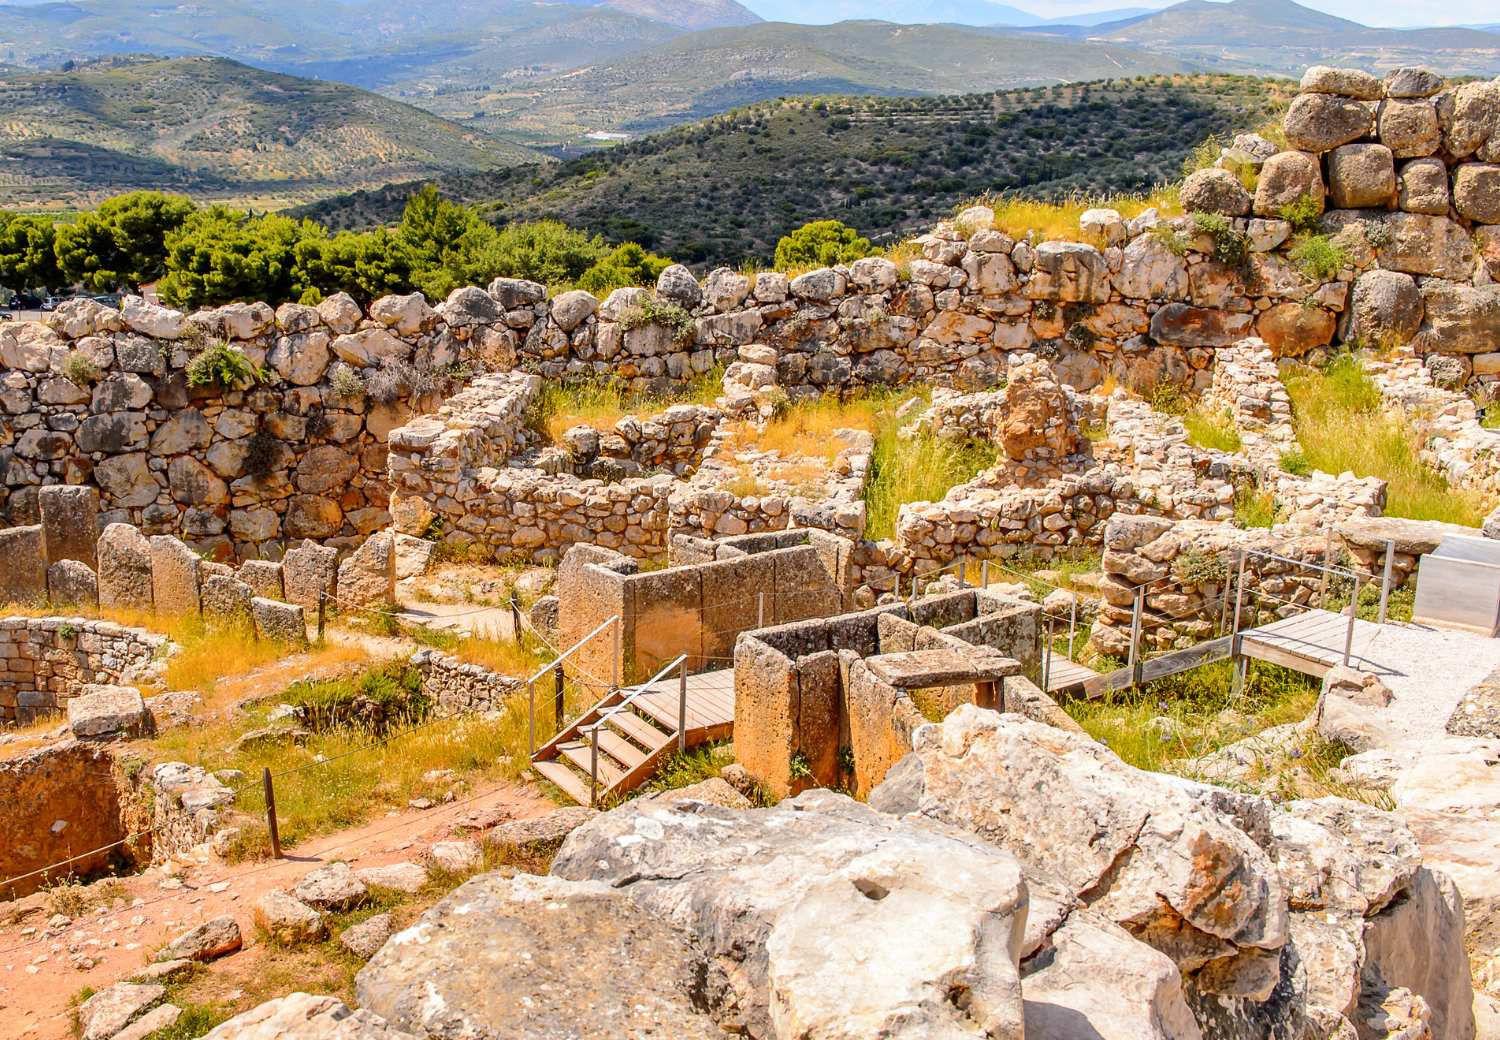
(378, 700)
(1255, 506)
(1305, 215)
(220, 365)
(1175, 241)
(1166, 397)
(1296, 463)
(799, 768)
(669, 316)
(346, 382)
(1213, 430)
(1231, 247)
(1320, 257)
(79, 369)
(1195, 567)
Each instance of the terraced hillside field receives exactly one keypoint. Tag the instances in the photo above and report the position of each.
(216, 129)
(725, 189)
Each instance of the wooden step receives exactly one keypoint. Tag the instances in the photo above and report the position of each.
(574, 786)
(617, 748)
(580, 754)
(638, 729)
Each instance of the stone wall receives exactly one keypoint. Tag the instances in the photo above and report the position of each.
(696, 609)
(457, 688)
(44, 661)
(61, 801)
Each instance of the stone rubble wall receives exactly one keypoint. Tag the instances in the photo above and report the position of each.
(1454, 441)
(459, 688)
(44, 661)
(1247, 388)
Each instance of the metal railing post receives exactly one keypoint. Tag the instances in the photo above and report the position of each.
(1385, 580)
(682, 705)
(614, 655)
(1047, 658)
(1072, 625)
(594, 766)
(1353, 613)
(1135, 633)
(559, 709)
(531, 717)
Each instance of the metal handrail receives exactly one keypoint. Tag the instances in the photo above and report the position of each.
(556, 668)
(680, 664)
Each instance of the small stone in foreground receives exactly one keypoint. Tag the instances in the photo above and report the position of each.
(365, 938)
(288, 920)
(111, 1010)
(209, 940)
(399, 877)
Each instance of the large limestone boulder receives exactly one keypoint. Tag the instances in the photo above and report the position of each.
(104, 712)
(1470, 116)
(124, 568)
(1069, 272)
(1361, 176)
(570, 309)
(1036, 419)
(175, 576)
(1460, 319)
(1321, 122)
(406, 316)
(70, 583)
(309, 571)
(1430, 245)
(807, 912)
(1409, 127)
(1411, 82)
(677, 284)
(70, 522)
(1287, 178)
(1385, 308)
(1151, 271)
(1215, 191)
(367, 577)
(302, 1016)
(23, 579)
(1423, 187)
(1350, 83)
(1292, 329)
(1476, 192)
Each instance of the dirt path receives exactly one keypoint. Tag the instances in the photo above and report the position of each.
(42, 968)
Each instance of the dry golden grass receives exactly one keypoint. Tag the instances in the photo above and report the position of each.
(807, 427)
(601, 403)
(1020, 217)
(520, 659)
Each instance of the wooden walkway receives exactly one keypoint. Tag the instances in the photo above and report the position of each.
(636, 737)
(1064, 674)
(1313, 642)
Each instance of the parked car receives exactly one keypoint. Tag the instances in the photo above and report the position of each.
(25, 302)
(7, 317)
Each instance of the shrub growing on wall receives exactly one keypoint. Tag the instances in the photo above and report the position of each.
(822, 243)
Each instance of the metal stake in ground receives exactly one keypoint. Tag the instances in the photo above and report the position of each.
(559, 710)
(271, 813)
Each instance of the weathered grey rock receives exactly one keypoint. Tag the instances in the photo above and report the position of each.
(1321, 122)
(400, 877)
(263, 577)
(1215, 191)
(105, 712)
(226, 598)
(1412, 82)
(545, 615)
(456, 857)
(1286, 178)
(333, 887)
(1470, 115)
(309, 571)
(1459, 319)
(70, 522)
(570, 309)
(512, 293)
(124, 568)
(820, 286)
(288, 920)
(1409, 128)
(462, 970)
(406, 315)
(110, 1010)
(150, 320)
(1351, 83)
(70, 583)
(1430, 245)
(761, 890)
(471, 307)
(367, 576)
(1123, 846)
(161, 1017)
(677, 284)
(1070, 272)
(301, 358)
(540, 833)
(279, 622)
(365, 938)
(1180, 325)
(300, 1016)
(1385, 308)
(1361, 176)
(1476, 195)
(1423, 187)
(23, 578)
(209, 940)
(175, 578)
(714, 791)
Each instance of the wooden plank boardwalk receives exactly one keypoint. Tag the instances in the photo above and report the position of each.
(636, 737)
(1063, 674)
(1313, 642)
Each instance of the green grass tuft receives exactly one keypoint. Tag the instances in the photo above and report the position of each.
(1214, 430)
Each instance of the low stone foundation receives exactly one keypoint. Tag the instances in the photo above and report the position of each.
(45, 661)
(456, 687)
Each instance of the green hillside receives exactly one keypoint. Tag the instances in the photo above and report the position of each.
(726, 189)
(704, 73)
(215, 128)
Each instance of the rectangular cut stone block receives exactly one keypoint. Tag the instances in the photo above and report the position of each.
(367, 577)
(23, 565)
(175, 576)
(279, 622)
(70, 522)
(101, 712)
(124, 568)
(264, 576)
(226, 598)
(307, 571)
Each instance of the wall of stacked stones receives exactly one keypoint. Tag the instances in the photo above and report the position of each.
(456, 687)
(43, 661)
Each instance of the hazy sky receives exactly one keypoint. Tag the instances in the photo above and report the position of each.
(1389, 13)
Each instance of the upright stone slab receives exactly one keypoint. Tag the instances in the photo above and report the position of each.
(175, 576)
(102, 712)
(71, 583)
(124, 568)
(367, 577)
(70, 522)
(23, 565)
(264, 576)
(308, 570)
(279, 622)
(226, 598)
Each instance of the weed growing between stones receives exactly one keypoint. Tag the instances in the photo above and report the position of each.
(1022, 217)
(601, 403)
(1295, 462)
(79, 369)
(670, 316)
(1320, 257)
(1255, 506)
(923, 468)
(1342, 425)
(220, 365)
(1211, 430)
(1304, 215)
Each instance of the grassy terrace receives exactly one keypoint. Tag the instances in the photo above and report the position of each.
(1343, 425)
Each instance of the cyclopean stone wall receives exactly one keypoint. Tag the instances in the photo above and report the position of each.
(1405, 169)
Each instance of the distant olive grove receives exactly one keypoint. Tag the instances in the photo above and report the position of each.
(206, 256)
